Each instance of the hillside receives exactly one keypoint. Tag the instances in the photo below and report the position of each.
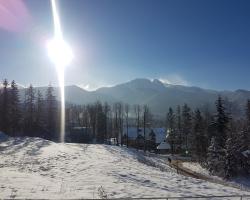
(37, 168)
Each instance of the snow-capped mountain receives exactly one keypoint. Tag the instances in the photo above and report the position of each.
(156, 94)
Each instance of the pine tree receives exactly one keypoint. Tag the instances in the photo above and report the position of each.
(39, 114)
(199, 140)
(187, 124)
(51, 113)
(231, 157)
(15, 112)
(221, 122)
(179, 128)
(216, 158)
(248, 122)
(242, 139)
(29, 118)
(171, 128)
(5, 108)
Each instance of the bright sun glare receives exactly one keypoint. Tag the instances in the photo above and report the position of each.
(61, 55)
(59, 52)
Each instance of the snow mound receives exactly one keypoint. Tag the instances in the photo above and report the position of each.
(35, 168)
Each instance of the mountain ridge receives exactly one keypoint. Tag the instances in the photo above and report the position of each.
(157, 95)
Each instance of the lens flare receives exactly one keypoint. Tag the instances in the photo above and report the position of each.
(61, 55)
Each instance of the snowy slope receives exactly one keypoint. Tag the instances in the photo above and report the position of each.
(37, 168)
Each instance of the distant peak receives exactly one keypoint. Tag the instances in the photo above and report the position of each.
(157, 81)
(140, 80)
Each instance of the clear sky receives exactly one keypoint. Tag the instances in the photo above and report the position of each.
(204, 43)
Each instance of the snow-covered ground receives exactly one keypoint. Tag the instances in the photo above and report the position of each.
(36, 168)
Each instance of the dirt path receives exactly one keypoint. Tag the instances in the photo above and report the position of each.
(177, 164)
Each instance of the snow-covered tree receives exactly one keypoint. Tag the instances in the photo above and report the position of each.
(216, 158)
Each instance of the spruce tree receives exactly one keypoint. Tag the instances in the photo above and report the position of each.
(29, 115)
(216, 158)
(39, 114)
(170, 125)
(187, 124)
(199, 140)
(231, 157)
(179, 127)
(5, 108)
(15, 112)
(222, 120)
(248, 122)
(51, 113)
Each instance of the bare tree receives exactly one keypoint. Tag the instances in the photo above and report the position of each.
(147, 117)
(126, 108)
(137, 109)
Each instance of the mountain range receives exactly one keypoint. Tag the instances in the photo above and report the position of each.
(156, 94)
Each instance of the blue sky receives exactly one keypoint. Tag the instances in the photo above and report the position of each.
(204, 43)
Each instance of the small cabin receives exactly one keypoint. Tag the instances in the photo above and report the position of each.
(164, 147)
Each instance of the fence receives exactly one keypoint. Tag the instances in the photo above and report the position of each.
(229, 197)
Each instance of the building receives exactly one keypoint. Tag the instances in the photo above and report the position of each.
(163, 147)
(153, 136)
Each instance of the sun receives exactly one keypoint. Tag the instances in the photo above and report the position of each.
(59, 52)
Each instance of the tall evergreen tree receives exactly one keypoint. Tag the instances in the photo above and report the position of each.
(179, 127)
(29, 118)
(199, 139)
(170, 126)
(15, 112)
(231, 157)
(51, 113)
(186, 124)
(216, 158)
(221, 123)
(248, 121)
(39, 114)
(5, 108)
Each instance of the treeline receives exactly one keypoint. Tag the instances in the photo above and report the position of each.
(38, 115)
(111, 121)
(218, 141)
(35, 116)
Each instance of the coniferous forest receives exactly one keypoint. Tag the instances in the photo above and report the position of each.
(219, 141)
